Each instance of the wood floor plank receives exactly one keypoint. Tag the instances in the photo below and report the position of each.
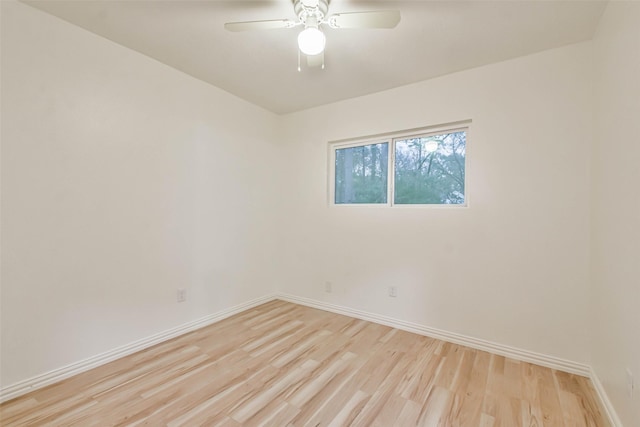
(322, 410)
(409, 414)
(282, 364)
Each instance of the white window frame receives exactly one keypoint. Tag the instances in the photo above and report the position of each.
(391, 139)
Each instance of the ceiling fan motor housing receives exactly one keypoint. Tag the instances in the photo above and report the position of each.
(311, 8)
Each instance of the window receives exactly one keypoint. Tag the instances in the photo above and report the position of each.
(361, 173)
(417, 168)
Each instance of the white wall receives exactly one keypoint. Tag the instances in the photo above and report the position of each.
(122, 180)
(616, 207)
(513, 266)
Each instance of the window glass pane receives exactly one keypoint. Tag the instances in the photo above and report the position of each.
(361, 174)
(430, 170)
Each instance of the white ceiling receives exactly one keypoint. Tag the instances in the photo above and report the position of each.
(432, 39)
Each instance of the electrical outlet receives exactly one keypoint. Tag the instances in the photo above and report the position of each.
(393, 291)
(181, 295)
(630, 384)
(327, 287)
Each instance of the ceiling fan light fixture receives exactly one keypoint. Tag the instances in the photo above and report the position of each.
(311, 41)
(431, 146)
(312, 14)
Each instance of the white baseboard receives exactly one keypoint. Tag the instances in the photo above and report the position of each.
(610, 411)
(477, 343)
(42, 380)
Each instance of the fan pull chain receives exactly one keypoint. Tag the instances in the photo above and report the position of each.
(299, 69)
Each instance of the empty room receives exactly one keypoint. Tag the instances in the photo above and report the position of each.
(320, 213)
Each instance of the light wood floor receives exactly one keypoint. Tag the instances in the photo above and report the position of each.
(282, 364)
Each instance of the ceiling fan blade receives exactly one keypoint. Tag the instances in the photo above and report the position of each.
(259, 25)
(377, 19)
(314, 61)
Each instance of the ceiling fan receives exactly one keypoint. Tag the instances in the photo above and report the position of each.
(312, 14)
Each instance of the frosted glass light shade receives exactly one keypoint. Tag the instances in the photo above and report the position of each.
(311, 41)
